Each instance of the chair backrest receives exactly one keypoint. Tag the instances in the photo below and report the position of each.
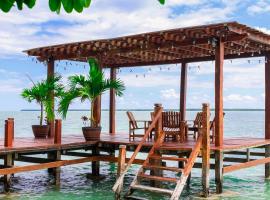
(198, 119)
(213, 121)
(171, 119)
(132, 119)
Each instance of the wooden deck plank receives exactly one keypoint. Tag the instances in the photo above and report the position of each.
(24, 144)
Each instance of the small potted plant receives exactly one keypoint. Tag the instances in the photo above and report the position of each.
(41, 93)
(89, 88)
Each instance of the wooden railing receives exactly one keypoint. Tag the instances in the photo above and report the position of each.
(117, 188)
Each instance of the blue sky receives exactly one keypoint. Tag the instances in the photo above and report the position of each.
(243, 79)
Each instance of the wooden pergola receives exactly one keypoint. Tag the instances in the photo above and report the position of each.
(213, 42)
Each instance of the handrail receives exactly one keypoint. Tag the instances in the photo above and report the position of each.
(120, 179)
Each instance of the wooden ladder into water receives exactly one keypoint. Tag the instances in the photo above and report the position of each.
(152, 170)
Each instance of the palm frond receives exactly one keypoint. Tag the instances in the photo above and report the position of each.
(66, 100)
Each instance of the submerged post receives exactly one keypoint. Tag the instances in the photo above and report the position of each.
(267, 111)
(183, 91)
(206, 149)
(112, 104)
(8, 158)
(121, 159)
(219, 59)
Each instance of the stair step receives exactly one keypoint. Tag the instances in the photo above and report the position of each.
(152, 189)
(168, 158)
(174, 169)
(131, 197)
(157, 178)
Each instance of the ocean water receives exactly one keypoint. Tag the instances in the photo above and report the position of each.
(75, 184)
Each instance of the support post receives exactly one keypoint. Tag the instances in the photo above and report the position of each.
(112, 104)
(158, 127)
(267, 111)
(206, 149)
(218, 171)
(8, 158)
(50, 73)
(219, 56)
(121, 159)
(58, 131)
(183, 91)
(95, 164)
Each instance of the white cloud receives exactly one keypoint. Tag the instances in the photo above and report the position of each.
(25, 29)
(169, 94)
(260, 6)
(238, 97)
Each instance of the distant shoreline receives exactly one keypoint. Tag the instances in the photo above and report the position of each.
(189, 109)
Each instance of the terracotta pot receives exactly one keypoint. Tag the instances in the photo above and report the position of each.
(40, 131)
(91, 133)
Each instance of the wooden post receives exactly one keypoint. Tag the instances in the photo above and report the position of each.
(267, 111)
(9, 132)
(58, 131)
(158, 127)
(121, 159)
(8, 162)
(95, 164)
(112, 104)
(183, 91)
(218, 171)
(219, 56)
(205, 149)
(50, 73)
(219, 59)
(8, 158)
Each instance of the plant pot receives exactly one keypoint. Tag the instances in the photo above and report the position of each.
(91, 133)
(40, 131)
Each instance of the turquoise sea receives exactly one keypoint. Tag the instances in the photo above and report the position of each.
(75, 184)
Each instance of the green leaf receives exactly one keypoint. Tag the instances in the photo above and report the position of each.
(19, 4)
(30, 3)
(6, 5)
(54, 4)
(87, 3)
(78, 5)
(162, 2)
(68, 5)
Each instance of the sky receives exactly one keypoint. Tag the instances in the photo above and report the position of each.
(21, 30)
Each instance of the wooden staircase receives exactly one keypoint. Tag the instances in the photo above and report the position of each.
(153, 170)
(151, 176)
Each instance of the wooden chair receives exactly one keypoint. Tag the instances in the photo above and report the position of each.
(212, 129)
(133, 126)
(197, 123)
(173, 126)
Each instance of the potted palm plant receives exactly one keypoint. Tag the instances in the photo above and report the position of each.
(41, 93)
(89, 88)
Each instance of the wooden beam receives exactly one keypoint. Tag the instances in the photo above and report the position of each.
(246, 165)
(50, 73)
(267, 112)
(112, 104)
(8, 162)
(219, 59)
(121, 159)
(186, 60)
(183, 90)
(19, 169)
